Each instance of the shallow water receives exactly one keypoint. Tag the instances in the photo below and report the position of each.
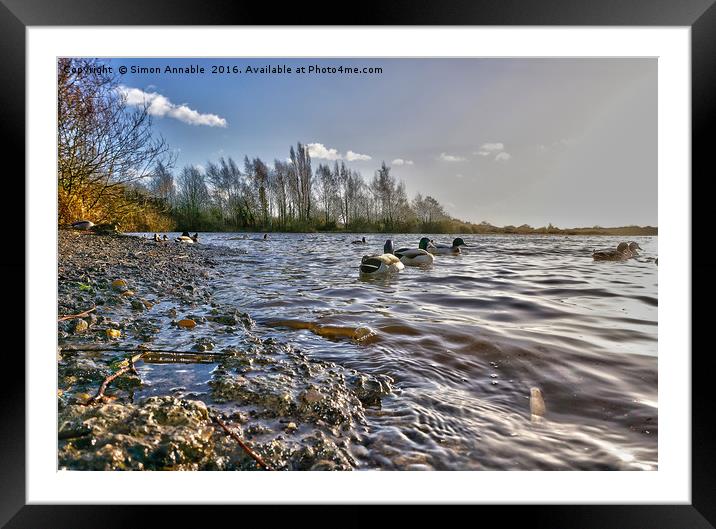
(465, 339)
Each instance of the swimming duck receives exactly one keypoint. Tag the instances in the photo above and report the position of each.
(82, 224)
(633, 247)
(621, 253)
(185, 238)
(380, 264)
(195, 237)
(444, 249)
(411, 256)
(156, 237)
(164, 237)
(362, 241)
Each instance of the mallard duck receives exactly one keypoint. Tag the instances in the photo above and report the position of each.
(82, 224)
(633, 247)
(185, 238)
(444, 249)
(380, 264)
(620, 254)
(362, 241)
(411, 256)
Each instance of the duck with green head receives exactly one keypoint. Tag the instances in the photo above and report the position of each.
(411, 256)
(444, 249)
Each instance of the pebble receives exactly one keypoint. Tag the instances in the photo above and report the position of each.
(80, 326)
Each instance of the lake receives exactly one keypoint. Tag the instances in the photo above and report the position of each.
(466, 338)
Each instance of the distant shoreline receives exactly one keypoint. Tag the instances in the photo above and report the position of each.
(478, 230)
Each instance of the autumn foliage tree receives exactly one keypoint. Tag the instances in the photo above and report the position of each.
(103, 145)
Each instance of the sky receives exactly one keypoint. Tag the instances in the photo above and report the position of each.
(572, 142)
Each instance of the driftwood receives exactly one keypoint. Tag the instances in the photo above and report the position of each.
(73, 316)
(242, 444)
(140, 350)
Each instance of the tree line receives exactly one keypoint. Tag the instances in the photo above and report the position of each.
(289, 195)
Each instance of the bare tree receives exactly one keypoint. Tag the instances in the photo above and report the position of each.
(102, 144)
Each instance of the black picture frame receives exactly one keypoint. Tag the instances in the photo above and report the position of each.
(699, 15)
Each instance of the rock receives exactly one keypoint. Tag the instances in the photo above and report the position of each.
(113, 333)
(537, 407)
(80, 326)
(186, 324)
(290, 427)
(128, 293)
(137, 305)
(119, 284)
(147, 304)
(311, 396)
(324, 464)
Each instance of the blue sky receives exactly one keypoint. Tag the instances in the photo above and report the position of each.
(510, 141)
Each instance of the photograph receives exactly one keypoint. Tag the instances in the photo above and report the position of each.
(346, 263)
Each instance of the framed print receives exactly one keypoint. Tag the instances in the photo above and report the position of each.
(413, 260)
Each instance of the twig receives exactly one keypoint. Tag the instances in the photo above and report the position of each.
(107, 381)
(80, 315)
(242, 444)
(139, 350)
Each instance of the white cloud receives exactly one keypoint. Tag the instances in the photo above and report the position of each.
(486, 149)
(161, 106)
(320, 151)
(459, 175)
(503, 156)
(451, 158)
(497, 146)
(353, 156)
(400, 161)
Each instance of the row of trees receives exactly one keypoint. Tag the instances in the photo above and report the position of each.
(113, 167)
(288, 195)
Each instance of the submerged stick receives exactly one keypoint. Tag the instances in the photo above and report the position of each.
(73, 316)
(141, 350)
(107, 381)
(242, 444)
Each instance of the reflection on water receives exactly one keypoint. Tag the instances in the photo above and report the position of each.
(466, 338)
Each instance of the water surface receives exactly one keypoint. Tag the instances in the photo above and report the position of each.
(465, 339)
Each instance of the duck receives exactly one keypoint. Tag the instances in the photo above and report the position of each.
(620, 254)
(164, 237)
(185, 238)
(156, 237)
(195, 237)
(82, 224)
(633, 247)
(362, 241)
(411, 256)
(380, 264)
(444, 249)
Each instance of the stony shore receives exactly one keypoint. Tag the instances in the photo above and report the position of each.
(155, 299)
